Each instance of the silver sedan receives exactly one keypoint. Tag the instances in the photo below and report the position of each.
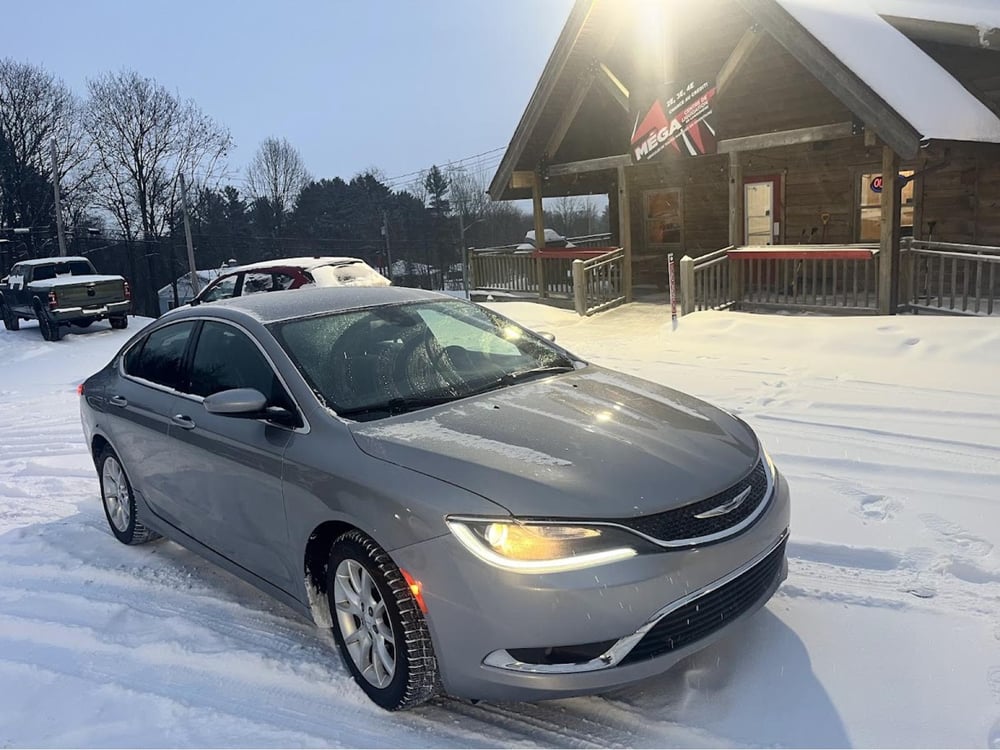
(468, 506)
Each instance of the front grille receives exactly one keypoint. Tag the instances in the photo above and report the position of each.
(708, 613)
(680, 524)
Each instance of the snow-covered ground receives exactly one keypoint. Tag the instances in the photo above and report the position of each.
(887, 632)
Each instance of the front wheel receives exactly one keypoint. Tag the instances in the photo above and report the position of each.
(119, 502)
(378, 625)
(119, 321)
(10, 321)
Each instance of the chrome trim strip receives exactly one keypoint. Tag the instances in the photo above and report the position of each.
(502, 659)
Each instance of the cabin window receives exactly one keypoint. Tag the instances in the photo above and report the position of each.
(871, 206)
(662, 215)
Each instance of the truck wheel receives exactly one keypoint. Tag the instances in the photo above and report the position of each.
(49, 328)
(119, 322)
(10, 321)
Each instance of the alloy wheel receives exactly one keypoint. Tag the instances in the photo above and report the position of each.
(117, 499)
(364, 623)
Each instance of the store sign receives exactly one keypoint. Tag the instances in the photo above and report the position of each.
(682, 121)
(876, 184)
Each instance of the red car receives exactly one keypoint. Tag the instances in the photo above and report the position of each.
(289, 273)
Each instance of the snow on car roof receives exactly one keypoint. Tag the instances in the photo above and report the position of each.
(269, 308)
(306, 262)
(49, 261)
(914, 85)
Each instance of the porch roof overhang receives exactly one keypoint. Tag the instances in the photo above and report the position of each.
(920, 102)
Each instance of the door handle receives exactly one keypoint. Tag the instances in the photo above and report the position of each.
(118, 401)
(183, 421)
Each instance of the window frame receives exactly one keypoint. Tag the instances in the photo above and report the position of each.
(859, 195)
(647, 220)
(297, 409)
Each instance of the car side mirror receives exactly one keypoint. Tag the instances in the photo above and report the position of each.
(248, 403)
(547, 335)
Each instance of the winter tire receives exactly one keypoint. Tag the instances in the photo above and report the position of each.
(119, 321)
(49, 328)
(379, 628)
(119, 502)
(10, 321)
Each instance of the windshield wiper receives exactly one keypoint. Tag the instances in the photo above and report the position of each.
(397, 406)
(518, 375)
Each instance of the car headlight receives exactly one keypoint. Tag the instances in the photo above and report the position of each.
(531, 547)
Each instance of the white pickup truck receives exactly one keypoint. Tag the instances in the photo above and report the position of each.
(62, 291)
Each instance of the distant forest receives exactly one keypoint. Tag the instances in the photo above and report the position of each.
(121, 149)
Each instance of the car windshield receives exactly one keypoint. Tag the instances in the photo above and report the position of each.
(380, 361)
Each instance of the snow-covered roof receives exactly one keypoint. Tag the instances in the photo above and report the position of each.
(922, 92)
(55, 259)
(982, 14)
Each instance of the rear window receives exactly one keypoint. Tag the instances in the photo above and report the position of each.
(68, 268)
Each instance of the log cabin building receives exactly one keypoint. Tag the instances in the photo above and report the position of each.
(714, 123)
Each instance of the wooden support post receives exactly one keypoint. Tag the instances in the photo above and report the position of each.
(735, 199)
(687, 285)
(625, 228)
(888, 283)
(579, 287)
(536, 206)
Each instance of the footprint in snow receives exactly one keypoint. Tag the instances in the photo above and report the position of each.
(955, 536)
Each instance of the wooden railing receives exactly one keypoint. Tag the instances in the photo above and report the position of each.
(599, 283)
(951, 277)
(504, 272)
(830, 278)
(705, 282)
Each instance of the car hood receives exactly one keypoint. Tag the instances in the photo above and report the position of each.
(587, 444)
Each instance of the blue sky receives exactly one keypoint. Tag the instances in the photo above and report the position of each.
(392, 84)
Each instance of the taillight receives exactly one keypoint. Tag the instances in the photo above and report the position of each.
(79, 390)
(127, 290)
(53, 301)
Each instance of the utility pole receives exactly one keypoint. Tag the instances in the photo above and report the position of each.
(388, 249)
(55, 190)
(195, 286)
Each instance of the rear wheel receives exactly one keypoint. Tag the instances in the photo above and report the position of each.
(10, 321)
(49, 328)
(119, 321)
(381, 633)
(119, 503)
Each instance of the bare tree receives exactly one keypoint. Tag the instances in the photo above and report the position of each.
(144, 136)
(277, 174)
(36, 107)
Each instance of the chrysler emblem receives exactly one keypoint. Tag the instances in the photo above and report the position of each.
(727, 507)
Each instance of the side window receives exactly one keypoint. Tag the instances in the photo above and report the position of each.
(161, 358)
(223, 290)
(255, 283)
(283, 281)
(226, 358)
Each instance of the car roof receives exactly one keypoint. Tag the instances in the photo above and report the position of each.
(271, 307)
(47, 261)
(306, 263)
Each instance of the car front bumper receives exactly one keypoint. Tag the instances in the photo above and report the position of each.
(479, 615)
(97, 313)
